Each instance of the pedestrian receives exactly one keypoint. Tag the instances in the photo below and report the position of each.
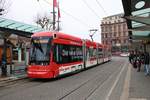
(138, 61)
(146, 63)
(3, 65)
(142, 57)
(131, 56)
(133, 61)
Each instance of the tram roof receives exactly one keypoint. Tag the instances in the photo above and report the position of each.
(59, 35)
(89, 43)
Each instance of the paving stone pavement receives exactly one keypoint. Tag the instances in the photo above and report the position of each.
(139, 85)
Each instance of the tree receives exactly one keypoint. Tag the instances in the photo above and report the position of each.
(4, 6)
(45, 22)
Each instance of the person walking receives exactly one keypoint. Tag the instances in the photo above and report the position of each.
(146, 63)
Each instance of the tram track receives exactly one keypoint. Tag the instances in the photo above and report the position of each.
(21, 85)
(94, 78)
(27, 80)
(65, 87)
(30, 83)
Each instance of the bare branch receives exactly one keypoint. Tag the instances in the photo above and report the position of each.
(45, 22)
(4, 6)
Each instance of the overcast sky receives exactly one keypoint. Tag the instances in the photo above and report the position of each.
(77, 16)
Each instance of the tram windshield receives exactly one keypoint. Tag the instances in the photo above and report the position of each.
(40, 50)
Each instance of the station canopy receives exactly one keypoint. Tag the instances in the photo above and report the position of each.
(8, 26)
(137, 13)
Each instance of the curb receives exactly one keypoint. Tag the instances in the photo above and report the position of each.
(8, 80)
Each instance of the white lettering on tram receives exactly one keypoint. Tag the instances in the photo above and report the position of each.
(71, 68)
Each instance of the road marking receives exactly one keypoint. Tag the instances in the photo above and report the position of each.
(115, 83)
(125, 93)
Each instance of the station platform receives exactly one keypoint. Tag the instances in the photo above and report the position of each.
(18, 72)
(139, 87)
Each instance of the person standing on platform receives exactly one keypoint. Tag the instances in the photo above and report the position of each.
(138, 61)
(146, 63)
(131, 56)
(3, 65)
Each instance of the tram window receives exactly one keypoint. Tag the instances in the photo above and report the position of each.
(100, 53)
(87, 54)
(56, 53)
(90, 53)
(94, 53)
(67, 53)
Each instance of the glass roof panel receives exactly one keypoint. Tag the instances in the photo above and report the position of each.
(141, 33)
(141, 10)
(7, 23)
(136, 24)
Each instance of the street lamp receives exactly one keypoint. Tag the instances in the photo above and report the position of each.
(92, 32)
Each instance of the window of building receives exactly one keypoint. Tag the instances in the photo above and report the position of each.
(119, 34)
(124, 27)
(106, 36)
(110, 29)
(127, 34)
(124, 33)
(115, 41)
(110, 34)
(106, 29)
(119, 41)
(124, 41)
(103, 42)
(119, 27)
(106, 42)
(115, 28)
(102, 29)
(114, 34)
(102, 35)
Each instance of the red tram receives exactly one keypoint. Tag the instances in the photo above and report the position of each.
(54, 53)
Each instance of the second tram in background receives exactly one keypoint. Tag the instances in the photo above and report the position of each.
(53, 54)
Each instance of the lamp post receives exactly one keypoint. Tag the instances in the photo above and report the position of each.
(92, 32)
(54, 15)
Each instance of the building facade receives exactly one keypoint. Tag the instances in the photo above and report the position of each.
(114, 32)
